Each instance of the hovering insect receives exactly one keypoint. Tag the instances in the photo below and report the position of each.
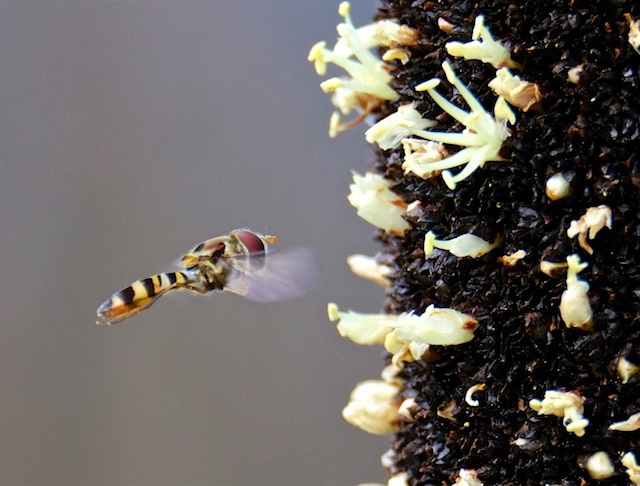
(238, 262)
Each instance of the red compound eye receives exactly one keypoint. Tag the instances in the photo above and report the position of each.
(252, 242)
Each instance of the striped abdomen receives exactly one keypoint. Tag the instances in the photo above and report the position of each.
(139, 295)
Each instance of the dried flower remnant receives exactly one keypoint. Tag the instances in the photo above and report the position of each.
(415, 333)
(466, 245)
(368, 84)
(599, 466)
(568, 405)
(420, 154)
(513, 258)
(590, 223)
(626, 369)
(468, 397)
(368, 267)
(389, 132)
(447, 411)
(630, 425)
(468, 477)
(406, 406)
(377, 204)
(367, 329)
(519, 93)
(633, 469)
(557, 187)
(483, 136)
(486, 49)
(634, 32)
(373, 407)
(575, 309)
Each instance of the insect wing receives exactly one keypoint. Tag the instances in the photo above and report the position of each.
(274, 277)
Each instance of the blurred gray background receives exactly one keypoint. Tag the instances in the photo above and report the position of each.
(131, 131)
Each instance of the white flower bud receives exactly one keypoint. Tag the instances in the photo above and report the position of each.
(366, 329)
(629, 425)
(377, 204)
(557, 187)
(575, 309)
(599, 466)
(372, 407)
(568, 405)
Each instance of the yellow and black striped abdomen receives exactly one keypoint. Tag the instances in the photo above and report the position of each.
(139, 295)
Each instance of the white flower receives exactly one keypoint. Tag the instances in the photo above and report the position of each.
(486, 49)
(389, 131)
(372, 197)
(575, 309)
(368, 81)
(368, 267)
(568, 405)
(373, 407)
(519, 93)
(626, 369)
(419, 156)
(557, 187)
(629, 425)
(633, 469)
(415, 333)
(366, 329)
(592, 221)
(599, 466)
(466, 245)
(483, 136)
(634, 32)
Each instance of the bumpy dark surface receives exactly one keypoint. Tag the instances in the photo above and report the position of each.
(522, 347)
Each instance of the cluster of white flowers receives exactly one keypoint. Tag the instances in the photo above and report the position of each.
(367, 85)
(371, 195)
(412, 334)
(568, 405)
(373, 407)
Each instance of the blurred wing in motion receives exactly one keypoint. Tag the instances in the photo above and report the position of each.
(284, 275)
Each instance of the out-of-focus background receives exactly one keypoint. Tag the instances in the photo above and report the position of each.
(131, 131)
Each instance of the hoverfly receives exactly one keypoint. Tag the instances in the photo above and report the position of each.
(238, 262)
